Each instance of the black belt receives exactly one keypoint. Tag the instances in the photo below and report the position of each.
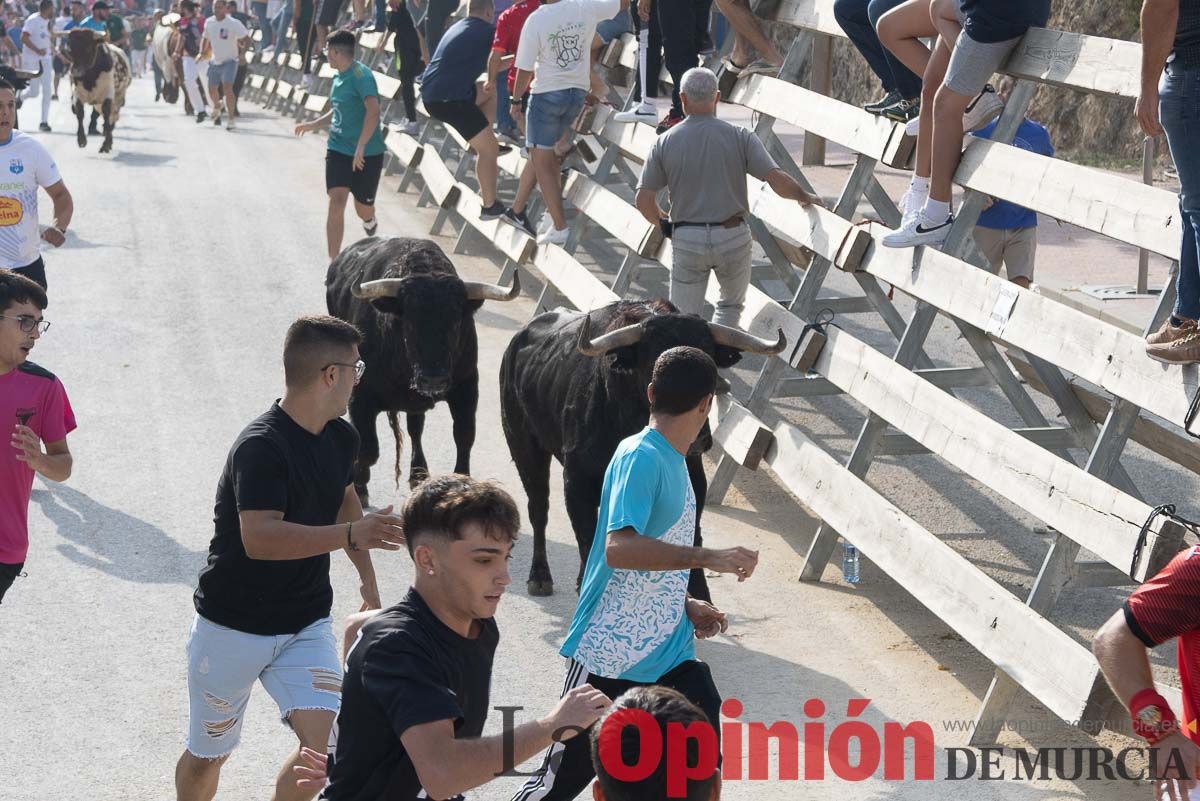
(732, 222)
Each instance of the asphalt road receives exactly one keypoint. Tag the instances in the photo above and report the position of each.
(192, 250)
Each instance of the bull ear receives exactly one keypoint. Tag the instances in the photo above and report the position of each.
(726, 356)
(624, 358)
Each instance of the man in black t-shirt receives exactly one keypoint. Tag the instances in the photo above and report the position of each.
(285, 501)
(415, 696)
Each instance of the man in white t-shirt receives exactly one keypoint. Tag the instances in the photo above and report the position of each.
(24, 166)
(37, 53)
(555, 53)
(223, 39)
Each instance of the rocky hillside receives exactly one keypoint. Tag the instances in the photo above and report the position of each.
(1084, 127)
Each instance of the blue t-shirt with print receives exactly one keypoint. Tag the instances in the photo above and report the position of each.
(632, 624)
(1007, 216)
(351, 88)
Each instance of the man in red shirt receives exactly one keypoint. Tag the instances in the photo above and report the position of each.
(1165, 607)
(504, 49)
(37, 404)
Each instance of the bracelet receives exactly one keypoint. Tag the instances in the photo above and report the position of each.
(350, 546)
(515, 101)
(1152, 717)
(61, 232)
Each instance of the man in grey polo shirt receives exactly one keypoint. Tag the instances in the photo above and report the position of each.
(702, 163)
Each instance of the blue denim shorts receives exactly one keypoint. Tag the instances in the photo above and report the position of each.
(610, 29)
(224, 73)
(299, 671)
(550, 115)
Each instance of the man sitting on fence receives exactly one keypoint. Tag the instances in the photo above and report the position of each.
(451, 94)
(1165, 607)
(975, 39)
(703, 163)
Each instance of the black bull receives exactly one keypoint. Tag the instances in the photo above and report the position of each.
(565, 394)
(419, 343)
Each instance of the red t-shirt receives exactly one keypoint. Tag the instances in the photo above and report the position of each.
(508, 31)
(1168, 606)
(34, 396)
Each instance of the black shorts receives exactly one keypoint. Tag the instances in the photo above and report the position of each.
(340, 172)
(8, 574)
(330, 11)
(60, 66)
(462, 115)
(35, 271)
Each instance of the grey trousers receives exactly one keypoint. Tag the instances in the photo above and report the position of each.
(696, 252)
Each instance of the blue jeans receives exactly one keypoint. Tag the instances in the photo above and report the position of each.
(858, 19)
(610, 29)
(381, 15)
(260, 13)
(504, 117)
(1179, 111)
(550, 115)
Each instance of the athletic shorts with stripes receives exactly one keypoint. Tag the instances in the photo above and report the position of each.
(567, 770)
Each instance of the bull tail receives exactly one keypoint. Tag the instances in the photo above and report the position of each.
(394, 423)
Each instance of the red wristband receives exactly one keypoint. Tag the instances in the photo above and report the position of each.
(1152, 716)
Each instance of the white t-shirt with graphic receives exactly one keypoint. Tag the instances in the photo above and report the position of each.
(223, 35)
(38, 28)
(24, 166)
(556, 42)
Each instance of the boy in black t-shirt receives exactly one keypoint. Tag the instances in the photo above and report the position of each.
(285, 500)
(415, 696)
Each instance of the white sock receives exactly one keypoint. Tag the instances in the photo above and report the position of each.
(936, 212)
(919, 185)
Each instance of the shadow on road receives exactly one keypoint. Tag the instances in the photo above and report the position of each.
(142, 159)
(103, 538)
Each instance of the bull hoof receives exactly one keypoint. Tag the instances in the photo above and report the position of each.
(363, 497)
(417, 477)
(540, 588)
(106, 148)
(81, 141)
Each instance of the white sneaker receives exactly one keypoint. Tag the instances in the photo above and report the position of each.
(545, 223)
(913, 126)
(911, 206)
(643, 113)
(986, 107)
(555, 236)
(412, 128)
(917, 233)
(229, 126)
(306, 82)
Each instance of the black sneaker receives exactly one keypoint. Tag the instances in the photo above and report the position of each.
(371, 226)
(890, 99)
(44, 127)
(493, 212)
(519, 219)
(903, 111)
(201, 116)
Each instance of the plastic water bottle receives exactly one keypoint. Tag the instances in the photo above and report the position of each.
(849, 563)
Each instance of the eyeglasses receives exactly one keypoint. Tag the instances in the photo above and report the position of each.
(29, 323)
(359, 368)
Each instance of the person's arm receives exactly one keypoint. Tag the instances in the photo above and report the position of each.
(1159, 20)
(628, 550)
(652, 180)
(646, 201)
(64, 210)
(267, 536)
(54, 462)
(788, 187)
(493, 69)
(1123, 658)
(314, 125)
(28, 42)
(521, 82)
(448, 767)
(370, 123)
(352, 512)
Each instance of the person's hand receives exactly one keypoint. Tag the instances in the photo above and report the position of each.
(53, 236)
(988, 202)
(489, 86)
(706, 618)
(643, 8)
(28, 445)
(1177, 774)
(576, 711)
(739, 561)
(311, 775)
(360, 160)
(302, 128)
(370, 596)
(810, 200)
(1146, 111)
(380, 529)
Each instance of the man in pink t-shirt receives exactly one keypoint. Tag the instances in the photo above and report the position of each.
(36, 403)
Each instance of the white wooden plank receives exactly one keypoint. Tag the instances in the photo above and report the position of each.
(315, 103)
(439, 181)
(1108, 204)
(1091, 512)
(1095, 351)
(389, 87)
(572, 280)
(405, 148)
(508, 239)
(818, 229)
(613, 214)
(634, 141)
(1088, 63)
(1055, 669)
(740, 434)
(812, 15)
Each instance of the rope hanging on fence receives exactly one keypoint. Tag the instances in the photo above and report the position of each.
(1165, 510)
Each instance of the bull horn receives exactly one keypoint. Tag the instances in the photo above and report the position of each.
(621, 338)
(736, 338)
(478, 290)
(99, 36)
(26, 75)
(382, 288)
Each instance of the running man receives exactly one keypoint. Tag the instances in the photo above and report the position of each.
(32, 397)
(418, 676)
(188, 50)
(37, 54)
(29, 167)
(635, 623)
(285, 501)
(224, 38)
(354, 159)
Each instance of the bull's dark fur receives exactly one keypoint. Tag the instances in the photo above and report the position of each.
(100, 75)
(556, 401)
(419, 349)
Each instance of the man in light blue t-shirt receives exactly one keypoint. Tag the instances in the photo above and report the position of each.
(635, 623)
(354, 157)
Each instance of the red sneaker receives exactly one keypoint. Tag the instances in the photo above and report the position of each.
(668, 122)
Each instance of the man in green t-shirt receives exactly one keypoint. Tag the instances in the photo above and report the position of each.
(354, 159)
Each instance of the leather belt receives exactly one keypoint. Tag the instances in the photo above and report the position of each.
(732, 222)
